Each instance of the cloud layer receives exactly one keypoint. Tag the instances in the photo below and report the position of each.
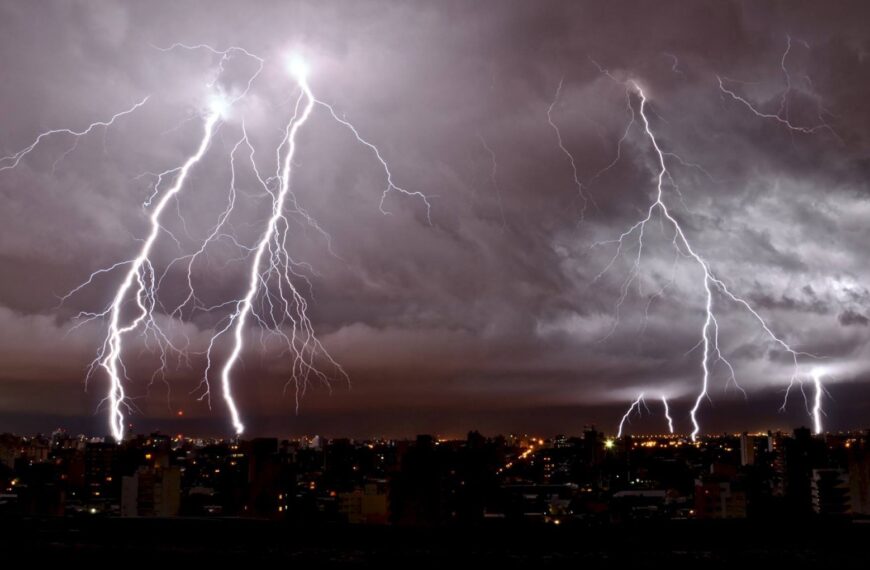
(497, 313)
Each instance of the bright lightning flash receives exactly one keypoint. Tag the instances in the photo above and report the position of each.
(303, 366)
(817, 402)
(635, 405)
(713, 287)
(668, 415)
(271, 297)
(304, 106)
(142, 272)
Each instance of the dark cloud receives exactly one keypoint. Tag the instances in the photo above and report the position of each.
(850, 317)
(497, 311)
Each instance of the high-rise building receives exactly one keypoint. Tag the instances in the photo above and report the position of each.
(264, 476)
(151, 491)
(716, 498)
(830, 492)
(9, 450)
(747, 449)
(859, 478)
(366, 504)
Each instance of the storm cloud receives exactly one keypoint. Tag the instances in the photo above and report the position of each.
(496, 314)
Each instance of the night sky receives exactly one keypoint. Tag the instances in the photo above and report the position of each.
(496, 315)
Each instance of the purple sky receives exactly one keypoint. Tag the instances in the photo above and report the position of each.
(494, 315)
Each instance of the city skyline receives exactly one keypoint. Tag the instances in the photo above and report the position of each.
(583, 480)
(315, 439)
(643, 427)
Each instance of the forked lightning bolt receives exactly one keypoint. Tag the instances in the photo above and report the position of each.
(304, 107)
(782, 115)
(668, 411)
(306, 347)
(561, 143)
(271, 297)
(11, 161)
(635, 406)
(142, 272)
(141, 278)
(713, 287)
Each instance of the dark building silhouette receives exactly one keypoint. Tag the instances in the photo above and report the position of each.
(802, 454)
(418, 494)
(830, 492)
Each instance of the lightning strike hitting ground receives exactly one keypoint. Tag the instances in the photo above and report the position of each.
(712, 286)
(635, 405)
(308, 346)
(668, 415)
(244, 307)
(271, 298)
(817, 402)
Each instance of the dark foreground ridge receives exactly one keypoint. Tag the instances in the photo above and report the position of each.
(699, 544)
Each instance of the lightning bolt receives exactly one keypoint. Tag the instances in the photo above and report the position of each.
(391, 186)
(713, 287)
(226, 55)
(635, 405)
(11, 161)
(493, 176)
(303, 365)
(817, 402)
(304, 107)
(141, 271)
(566, 152)
(141, 283)
(668, 414)
(271, 297)
(782, 115)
